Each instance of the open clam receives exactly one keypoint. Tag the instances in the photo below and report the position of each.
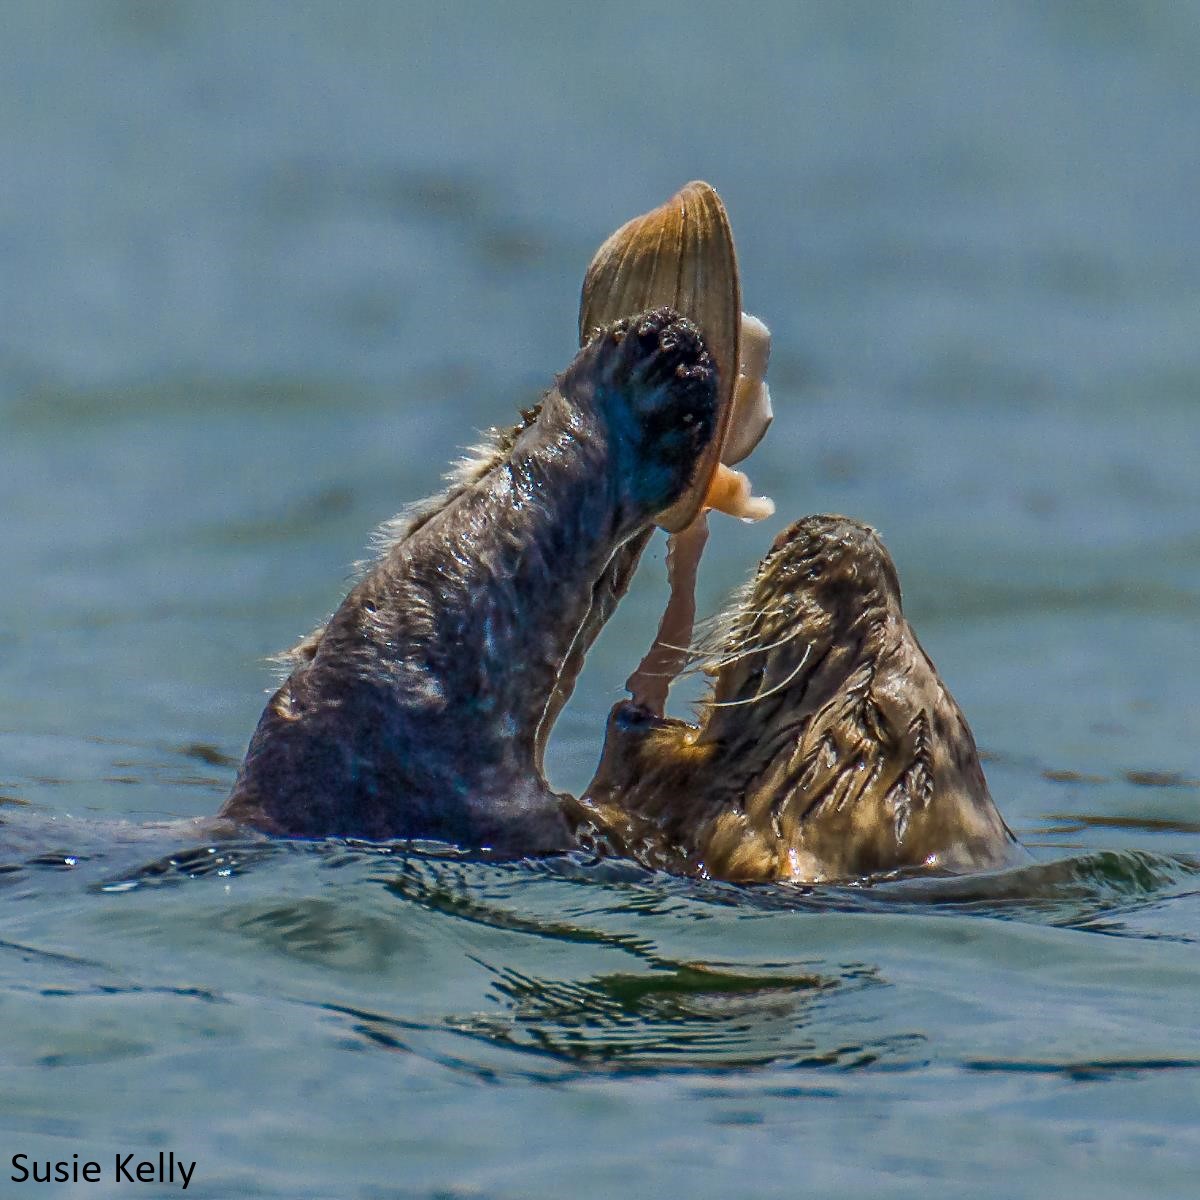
(681, 255)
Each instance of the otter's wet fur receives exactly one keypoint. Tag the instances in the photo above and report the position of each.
(829, 747)
(421, 709)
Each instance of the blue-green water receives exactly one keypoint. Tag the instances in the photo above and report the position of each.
(264, 268)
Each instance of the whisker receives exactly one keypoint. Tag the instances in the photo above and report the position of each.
(733, 613)
(770, 691)
(738, 655)
(703, 646)
(699, 659)
(731, 626)
(672, 646)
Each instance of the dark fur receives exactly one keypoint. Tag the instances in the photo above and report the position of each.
(422, 708)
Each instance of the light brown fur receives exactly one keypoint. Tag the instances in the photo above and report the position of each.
(829, 748)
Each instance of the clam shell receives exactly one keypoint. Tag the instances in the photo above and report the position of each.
(752, 414)
(679, 255)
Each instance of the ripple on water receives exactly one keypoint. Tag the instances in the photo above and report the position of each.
(434, 970)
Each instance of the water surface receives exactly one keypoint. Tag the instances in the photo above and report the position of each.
(267, 267)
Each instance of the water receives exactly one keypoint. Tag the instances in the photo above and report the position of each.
(266, 267)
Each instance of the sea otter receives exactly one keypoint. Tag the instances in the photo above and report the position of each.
(828, 748)
(422, 708)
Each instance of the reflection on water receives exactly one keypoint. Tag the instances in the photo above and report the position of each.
(567, 970)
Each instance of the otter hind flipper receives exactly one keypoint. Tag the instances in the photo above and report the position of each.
(420, 710)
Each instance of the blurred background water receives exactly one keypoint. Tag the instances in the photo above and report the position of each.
(265, 267)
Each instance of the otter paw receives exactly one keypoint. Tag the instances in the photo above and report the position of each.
(657, 349)
(658, 364)
(652, 381)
